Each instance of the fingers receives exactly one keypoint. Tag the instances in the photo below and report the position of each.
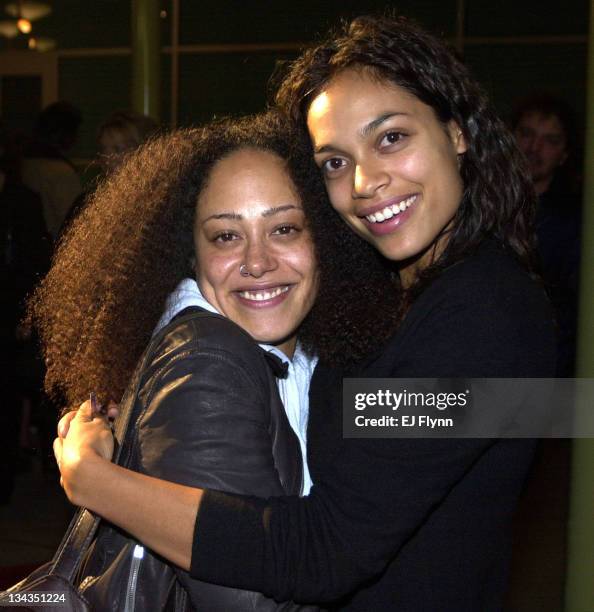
(64, 423)
(88, 410)
(85, 412)
(57, 446)
(113, 410)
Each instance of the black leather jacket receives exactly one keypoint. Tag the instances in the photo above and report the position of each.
(207, 413)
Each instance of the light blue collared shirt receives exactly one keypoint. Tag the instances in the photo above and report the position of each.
(293, 390)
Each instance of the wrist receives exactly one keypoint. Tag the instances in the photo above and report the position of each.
(80, 476)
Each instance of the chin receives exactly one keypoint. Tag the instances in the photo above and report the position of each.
(395, 252)
(268, 338)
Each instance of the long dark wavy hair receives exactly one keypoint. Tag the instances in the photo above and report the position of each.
(498, 197)
(133, 243)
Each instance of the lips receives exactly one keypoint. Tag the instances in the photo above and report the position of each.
(389, 215)
(263, 297)
(391, 210)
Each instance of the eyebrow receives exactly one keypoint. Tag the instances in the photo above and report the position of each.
(266, 213)
(365, 130)
(373, 125)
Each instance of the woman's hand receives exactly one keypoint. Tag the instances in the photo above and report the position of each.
(159, 513)
(64, 423)
(88, 439)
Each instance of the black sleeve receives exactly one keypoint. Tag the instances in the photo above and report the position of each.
(372, 496)
(206, 424)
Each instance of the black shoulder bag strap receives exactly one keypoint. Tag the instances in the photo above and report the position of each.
(83, 526)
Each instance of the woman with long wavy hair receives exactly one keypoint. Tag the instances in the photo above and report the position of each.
(418, 165)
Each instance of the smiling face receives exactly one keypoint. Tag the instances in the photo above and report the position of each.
(390, 167)
(250, 214)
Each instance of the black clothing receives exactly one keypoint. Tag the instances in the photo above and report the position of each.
(207, 413)
(25, 248)
(558, 227)
(396, 524)
(25, 251)
(77, 206)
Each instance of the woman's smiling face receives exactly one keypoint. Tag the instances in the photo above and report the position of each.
(249, 214)
(390, 166)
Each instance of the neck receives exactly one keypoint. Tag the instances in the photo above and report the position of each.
(288, 347)
(410, 268)
(408, 275)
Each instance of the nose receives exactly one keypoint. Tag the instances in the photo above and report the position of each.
(258, 259)
(369, 177)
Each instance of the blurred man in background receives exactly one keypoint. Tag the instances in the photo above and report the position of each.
(545, 131)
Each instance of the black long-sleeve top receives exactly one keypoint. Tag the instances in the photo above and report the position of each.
(399, 524)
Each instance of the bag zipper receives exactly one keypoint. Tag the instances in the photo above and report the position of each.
(137, 555)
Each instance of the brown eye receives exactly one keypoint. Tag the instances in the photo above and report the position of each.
(332, 165)
(225, 237)
(284, 230)
(391, 138)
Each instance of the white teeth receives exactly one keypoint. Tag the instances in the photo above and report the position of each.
(391, 211)
(260, 296)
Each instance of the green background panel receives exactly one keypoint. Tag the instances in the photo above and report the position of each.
(165, 88)
(253, 21)
(233, 83)
(511, 72)
(97, 86)
(526, 17)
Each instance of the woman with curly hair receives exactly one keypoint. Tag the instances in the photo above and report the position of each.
(233, 206)
(417, 164)
(116, 267)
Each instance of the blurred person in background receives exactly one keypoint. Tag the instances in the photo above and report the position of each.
(47, 169)
(25, 248)
(122, 132)
(544, 127)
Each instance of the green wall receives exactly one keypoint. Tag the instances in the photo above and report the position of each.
(223, 83)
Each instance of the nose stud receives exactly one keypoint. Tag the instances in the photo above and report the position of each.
(243, 270)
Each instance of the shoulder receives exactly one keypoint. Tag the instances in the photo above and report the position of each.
(484, 316)
(489, 261)
(49, 167)
(205, 335)
(489, 281)
(203, 359)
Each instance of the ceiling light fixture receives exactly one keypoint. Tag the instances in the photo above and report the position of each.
(24, 25)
